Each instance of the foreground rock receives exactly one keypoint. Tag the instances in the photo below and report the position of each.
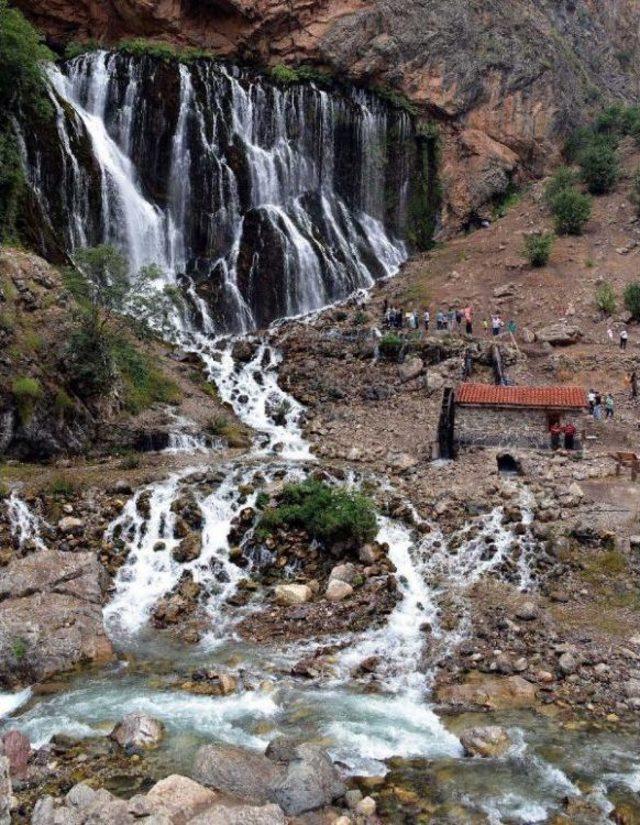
(138, 731)
(50, 616)
(175, 800)
(299, 778)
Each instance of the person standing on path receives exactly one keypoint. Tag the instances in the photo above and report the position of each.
(468, 318)
(609, 405)
(496, 325)
(569, 436)
(633, 381)
(555, 431)
(624, 337)
(426, 318)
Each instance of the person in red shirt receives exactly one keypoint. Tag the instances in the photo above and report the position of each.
(556, 431)
(569, 436)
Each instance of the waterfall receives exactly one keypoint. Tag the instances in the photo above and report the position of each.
(260, 201)
(24, 524)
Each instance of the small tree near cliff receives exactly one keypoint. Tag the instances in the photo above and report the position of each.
(571, 212)
(537, 248)
(632, 299)
(600, 168)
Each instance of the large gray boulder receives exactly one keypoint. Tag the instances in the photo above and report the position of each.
(50, 615)
(486, 741)
(560, 334)
(303, 779)
(310, 782)
(136, 730)
(238, 772)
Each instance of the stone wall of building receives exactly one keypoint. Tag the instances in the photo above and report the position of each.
(490, 427)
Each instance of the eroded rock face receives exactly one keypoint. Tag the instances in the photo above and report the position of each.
(503, 105)
(50, 616)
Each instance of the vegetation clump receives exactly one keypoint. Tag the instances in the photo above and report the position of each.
(328, 514)
(390, 346)
(632, 299)
(99, 350)
(606, 298)
(26, 392)
(537, 248)
(600, 169)
(22, 90)
(571, 211)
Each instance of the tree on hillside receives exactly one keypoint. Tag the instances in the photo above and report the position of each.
(632, 299)
(110, 299)
(600, 168)
(571, 211)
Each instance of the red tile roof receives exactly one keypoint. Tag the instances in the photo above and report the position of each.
(547, 397)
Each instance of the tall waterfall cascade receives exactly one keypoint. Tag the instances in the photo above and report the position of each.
(261, 201)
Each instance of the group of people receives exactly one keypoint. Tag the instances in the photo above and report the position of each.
(446, 320)
(451, 320)
(558, 430)
(600, 406)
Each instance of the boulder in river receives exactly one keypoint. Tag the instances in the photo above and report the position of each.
(306, 781)
(246, 774)
(137, 730)
(489, 740)
(310, 782)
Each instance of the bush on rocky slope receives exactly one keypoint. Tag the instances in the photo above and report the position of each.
(537, 248)
(328, 514)
(571, 212)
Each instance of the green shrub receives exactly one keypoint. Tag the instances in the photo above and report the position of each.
(537, 248)
(571, 211)
(328, 514)
(26, 392)
(62, 485)
(504, 202)
(606, 298)
(262, 499)
(632, 299)
(284, 75)
(12, 187)
(144, 383)
(22, 79)
(140, 47)
(391, 346)
(562, 179)
(600, 168)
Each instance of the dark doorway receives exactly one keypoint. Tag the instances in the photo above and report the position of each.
(509, 465)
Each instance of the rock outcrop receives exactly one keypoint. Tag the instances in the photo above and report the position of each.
(50, 616)
(502, 104)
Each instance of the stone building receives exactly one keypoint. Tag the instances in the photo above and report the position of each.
(491, 416)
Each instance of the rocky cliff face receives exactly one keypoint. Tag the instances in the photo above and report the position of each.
(505, 78)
